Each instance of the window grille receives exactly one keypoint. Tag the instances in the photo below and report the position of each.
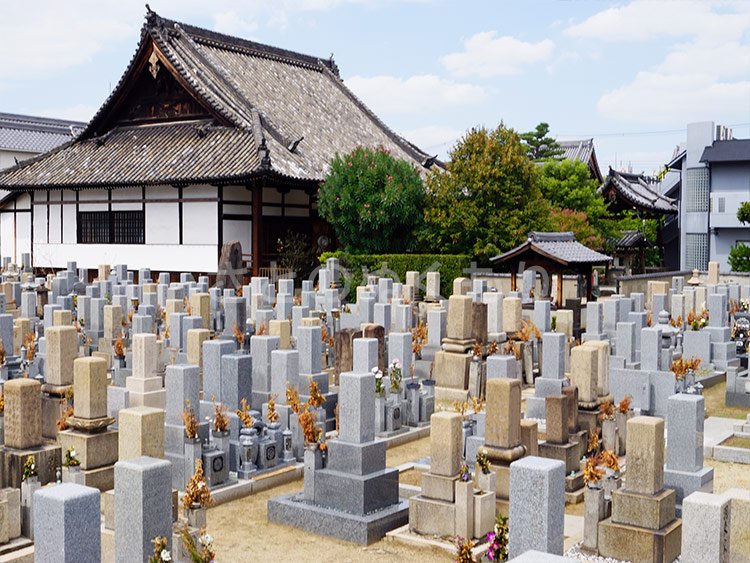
(696, 251)
(697, 192)
(115, 227)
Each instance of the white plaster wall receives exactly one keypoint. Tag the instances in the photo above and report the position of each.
(241, 231)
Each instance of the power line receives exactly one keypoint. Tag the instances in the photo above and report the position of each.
(638, 133)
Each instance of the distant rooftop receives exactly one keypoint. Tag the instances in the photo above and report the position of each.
(559, 247)
(733, 150)
(26, 133)
(582, 150)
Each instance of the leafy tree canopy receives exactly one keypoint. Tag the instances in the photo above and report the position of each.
(539, 145)
(373, 201)
(488, 199)
(567, 184)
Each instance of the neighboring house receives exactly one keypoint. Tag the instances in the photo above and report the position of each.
(206, 139)
(709, 176)
(582, 150)
(25, 136)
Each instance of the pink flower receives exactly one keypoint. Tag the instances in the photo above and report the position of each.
(350, 164)
(381, 212)
(367, 205)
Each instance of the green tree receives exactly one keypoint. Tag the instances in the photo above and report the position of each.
(564, 220)
(487, 200)
(739, 258)
(373, 201)
(567, 184)
(539, 145)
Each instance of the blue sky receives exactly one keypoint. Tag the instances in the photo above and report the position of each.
(630, 74)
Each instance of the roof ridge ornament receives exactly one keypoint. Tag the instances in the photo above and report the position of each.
(153, 19)
(265, 160)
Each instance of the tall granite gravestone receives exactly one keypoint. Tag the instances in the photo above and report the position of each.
(447, 505)
(452, 362)
(145, 385)
(706, 528)
(537, 506)
(67, 524)
(96, 446)
(553, 372)
(684, 471)
(23, 434)
(354, 497)
(182, 384)
(503, 429)
(558, 445)
(143, 507)
(643, 527)
(61, 349)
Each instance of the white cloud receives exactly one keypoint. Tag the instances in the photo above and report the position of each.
(50, 37)
(642, 20)
(659, 98)
(423, 93)
(233, 24)
(486, 56)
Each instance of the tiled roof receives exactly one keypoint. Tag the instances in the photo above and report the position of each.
(637, 191)
(291, 114)
(633, 239)
(583, 151)
(560, 247)
(732, 150)
(25, 133)
(162, 154)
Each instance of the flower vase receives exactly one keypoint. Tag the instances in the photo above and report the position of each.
(221, 440)
(380, 413)
(73, 474)
(609, 433)
(528, 362)
(429, 387)
(196, 516)
(28, 487)
(485, 481)
(313, 461)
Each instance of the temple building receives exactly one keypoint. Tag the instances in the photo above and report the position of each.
(206, 139)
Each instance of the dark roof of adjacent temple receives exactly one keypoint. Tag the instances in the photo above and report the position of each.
(733, 150)
(26, 133)
(266, 111)
(559, 247)
(635, 190)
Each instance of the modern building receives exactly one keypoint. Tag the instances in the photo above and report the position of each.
(206, 139)
(710, 177)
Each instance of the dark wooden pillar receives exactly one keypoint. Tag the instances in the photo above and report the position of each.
(257, 223)
(589, 283)
(560, 288)
(513, 277)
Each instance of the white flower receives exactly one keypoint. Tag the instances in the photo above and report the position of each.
(72, 453)
(165, 555)
(201, 484)
(206, 540)
(375, 370)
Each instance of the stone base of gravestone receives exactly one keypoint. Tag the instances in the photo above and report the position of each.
(641, 528)
(291, 510)
(687, 482)
(46, 457)
(567, 453)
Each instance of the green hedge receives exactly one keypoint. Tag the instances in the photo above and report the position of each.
(450, 266)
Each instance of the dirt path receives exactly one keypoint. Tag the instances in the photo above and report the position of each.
(241, 532)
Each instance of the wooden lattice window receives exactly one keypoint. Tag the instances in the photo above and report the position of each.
(111, 227)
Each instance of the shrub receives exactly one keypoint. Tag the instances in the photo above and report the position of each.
(450, 266)
(743, 213)
(373, 201)
(739, 258)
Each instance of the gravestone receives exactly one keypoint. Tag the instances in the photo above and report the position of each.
(706, 524)
(143, 507)
(537, 506)
(67, 524)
